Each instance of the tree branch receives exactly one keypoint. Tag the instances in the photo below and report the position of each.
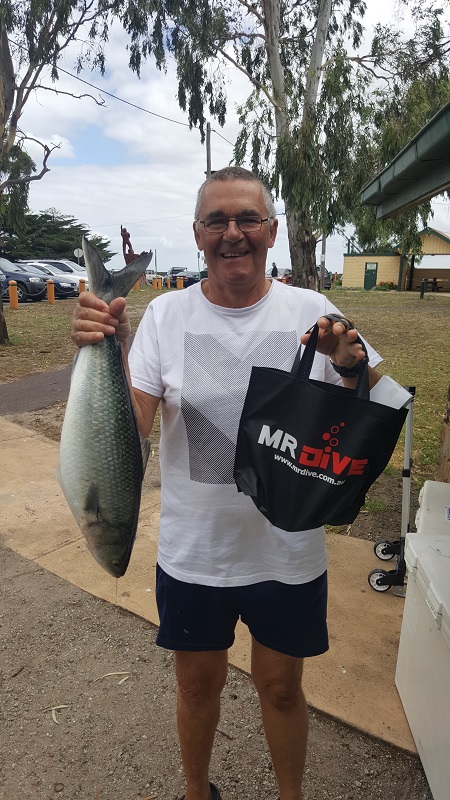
(252, 9)
(100, 102)
(252, 80)
(27, 179)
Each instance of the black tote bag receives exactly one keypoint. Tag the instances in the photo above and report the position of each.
(307, 451)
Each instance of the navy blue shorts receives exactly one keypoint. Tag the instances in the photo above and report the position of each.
(288, 619)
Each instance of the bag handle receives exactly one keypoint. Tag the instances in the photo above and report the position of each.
(302, 365)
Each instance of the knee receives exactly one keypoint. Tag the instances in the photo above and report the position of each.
(281, 696)
(197, 690)
(200, 676)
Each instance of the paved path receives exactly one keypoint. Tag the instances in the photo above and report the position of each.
(35, 391)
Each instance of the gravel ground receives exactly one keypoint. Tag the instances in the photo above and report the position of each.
(72, 730)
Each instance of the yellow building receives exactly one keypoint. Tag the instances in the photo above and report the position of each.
(366, 270)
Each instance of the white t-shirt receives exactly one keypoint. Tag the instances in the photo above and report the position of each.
(198, 357)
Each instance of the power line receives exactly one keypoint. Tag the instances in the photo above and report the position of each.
(121, 100)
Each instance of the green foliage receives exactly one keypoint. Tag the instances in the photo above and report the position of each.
(49, 234)
(384, 286)
(15, 164)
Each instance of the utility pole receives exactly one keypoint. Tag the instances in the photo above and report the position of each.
(322, 260)
(208, 150)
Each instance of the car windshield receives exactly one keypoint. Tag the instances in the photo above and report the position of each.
(29, 268)
(10, 267)
(66, 266)
(46, 270)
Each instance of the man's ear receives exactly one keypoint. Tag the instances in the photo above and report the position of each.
(197, 236)
(273, 232)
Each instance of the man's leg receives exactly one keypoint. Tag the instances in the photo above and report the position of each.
(201, 677)
(277, 678)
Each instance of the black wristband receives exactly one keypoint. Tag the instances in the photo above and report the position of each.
(350, 372)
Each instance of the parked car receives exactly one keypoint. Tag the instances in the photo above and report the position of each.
(61, 263)
(285, 274)
(29, 285)
(64, 264)
(173, 272)
(3, 283)
(65, 285)
(60, 267)
(189, 277)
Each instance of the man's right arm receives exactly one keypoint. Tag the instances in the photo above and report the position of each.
(92, 320)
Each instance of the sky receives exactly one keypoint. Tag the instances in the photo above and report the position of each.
(141, 167)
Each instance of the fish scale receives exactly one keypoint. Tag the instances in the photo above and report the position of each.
(102, 457)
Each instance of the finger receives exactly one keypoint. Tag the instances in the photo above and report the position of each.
(348, 323)
(332, 324)
(117, 308)
(80, 338)
(98, 319)
(90, 300)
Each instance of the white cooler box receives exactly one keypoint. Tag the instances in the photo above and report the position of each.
(433, 514)
(423, 664)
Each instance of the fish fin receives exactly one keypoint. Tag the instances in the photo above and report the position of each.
(123, 281)
(99, 277)
(91, 502)
(145, 450)
(102, 282)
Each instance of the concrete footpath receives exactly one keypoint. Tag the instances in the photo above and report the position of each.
(354, 681)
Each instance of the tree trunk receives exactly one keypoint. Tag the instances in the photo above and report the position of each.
(302, 248)
(4, 338)
(302, 243)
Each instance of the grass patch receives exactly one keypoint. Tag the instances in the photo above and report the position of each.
(374, 506)
(411, 334)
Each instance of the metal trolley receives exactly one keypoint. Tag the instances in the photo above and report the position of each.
(380, 579)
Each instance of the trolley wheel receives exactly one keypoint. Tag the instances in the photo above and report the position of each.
(378, 549)
(373, 578)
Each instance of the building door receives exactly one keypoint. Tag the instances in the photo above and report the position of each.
(370, 274)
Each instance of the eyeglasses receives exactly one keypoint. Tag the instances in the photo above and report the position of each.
(246, 224)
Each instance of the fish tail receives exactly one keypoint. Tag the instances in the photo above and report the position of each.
(107, 285)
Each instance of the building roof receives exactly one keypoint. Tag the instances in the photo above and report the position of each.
(420, 171)
(433, 231)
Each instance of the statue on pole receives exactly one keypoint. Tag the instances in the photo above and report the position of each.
(129, 254)
(127, 248)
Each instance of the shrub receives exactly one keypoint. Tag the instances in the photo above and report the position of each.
(384, 286)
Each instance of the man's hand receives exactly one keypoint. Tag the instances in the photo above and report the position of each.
(337, 341)
(93, 319)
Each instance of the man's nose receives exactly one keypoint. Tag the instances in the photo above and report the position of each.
(233, 232)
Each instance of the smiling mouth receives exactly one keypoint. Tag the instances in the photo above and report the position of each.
(233, 255)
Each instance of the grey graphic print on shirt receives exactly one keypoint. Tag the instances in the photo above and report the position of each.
(215, 379)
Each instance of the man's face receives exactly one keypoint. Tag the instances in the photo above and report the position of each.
(234, 257)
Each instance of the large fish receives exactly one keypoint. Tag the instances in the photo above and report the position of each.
(102, 456)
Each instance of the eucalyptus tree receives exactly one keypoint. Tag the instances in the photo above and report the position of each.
(317, 92)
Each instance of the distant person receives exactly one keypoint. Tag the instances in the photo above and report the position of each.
(219, 558)
(274, 272)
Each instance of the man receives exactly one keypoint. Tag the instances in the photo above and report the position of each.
(218, 557)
